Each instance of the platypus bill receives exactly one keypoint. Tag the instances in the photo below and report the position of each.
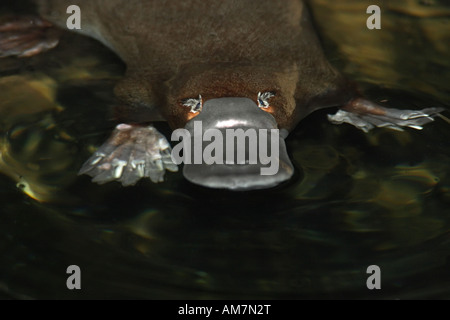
(250, 65)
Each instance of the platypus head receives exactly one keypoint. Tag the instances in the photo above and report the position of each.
(233, 144)
(230, 137)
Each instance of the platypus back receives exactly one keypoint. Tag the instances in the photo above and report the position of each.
(216, 49)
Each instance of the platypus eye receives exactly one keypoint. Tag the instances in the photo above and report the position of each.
(263, 99)
(195, 104)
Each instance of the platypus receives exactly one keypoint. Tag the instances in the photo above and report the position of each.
(207, 67)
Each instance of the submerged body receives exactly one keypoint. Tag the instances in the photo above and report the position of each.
(236, 62)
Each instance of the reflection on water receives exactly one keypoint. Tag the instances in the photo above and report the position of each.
(410, 52)
(356, 200)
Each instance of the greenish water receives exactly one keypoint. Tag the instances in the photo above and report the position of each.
(357, 199)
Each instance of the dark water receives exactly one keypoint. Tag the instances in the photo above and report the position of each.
(357, 199)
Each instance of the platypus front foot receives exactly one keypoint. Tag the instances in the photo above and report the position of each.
(131, 153)
(26, 36)
(366, 115)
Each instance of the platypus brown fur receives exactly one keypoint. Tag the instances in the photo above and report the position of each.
(175, 50)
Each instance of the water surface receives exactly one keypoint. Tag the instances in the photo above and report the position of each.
(356, 200)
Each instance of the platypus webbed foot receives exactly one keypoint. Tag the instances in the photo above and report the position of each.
(26, 36)
(131, 153)
(366, 115)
